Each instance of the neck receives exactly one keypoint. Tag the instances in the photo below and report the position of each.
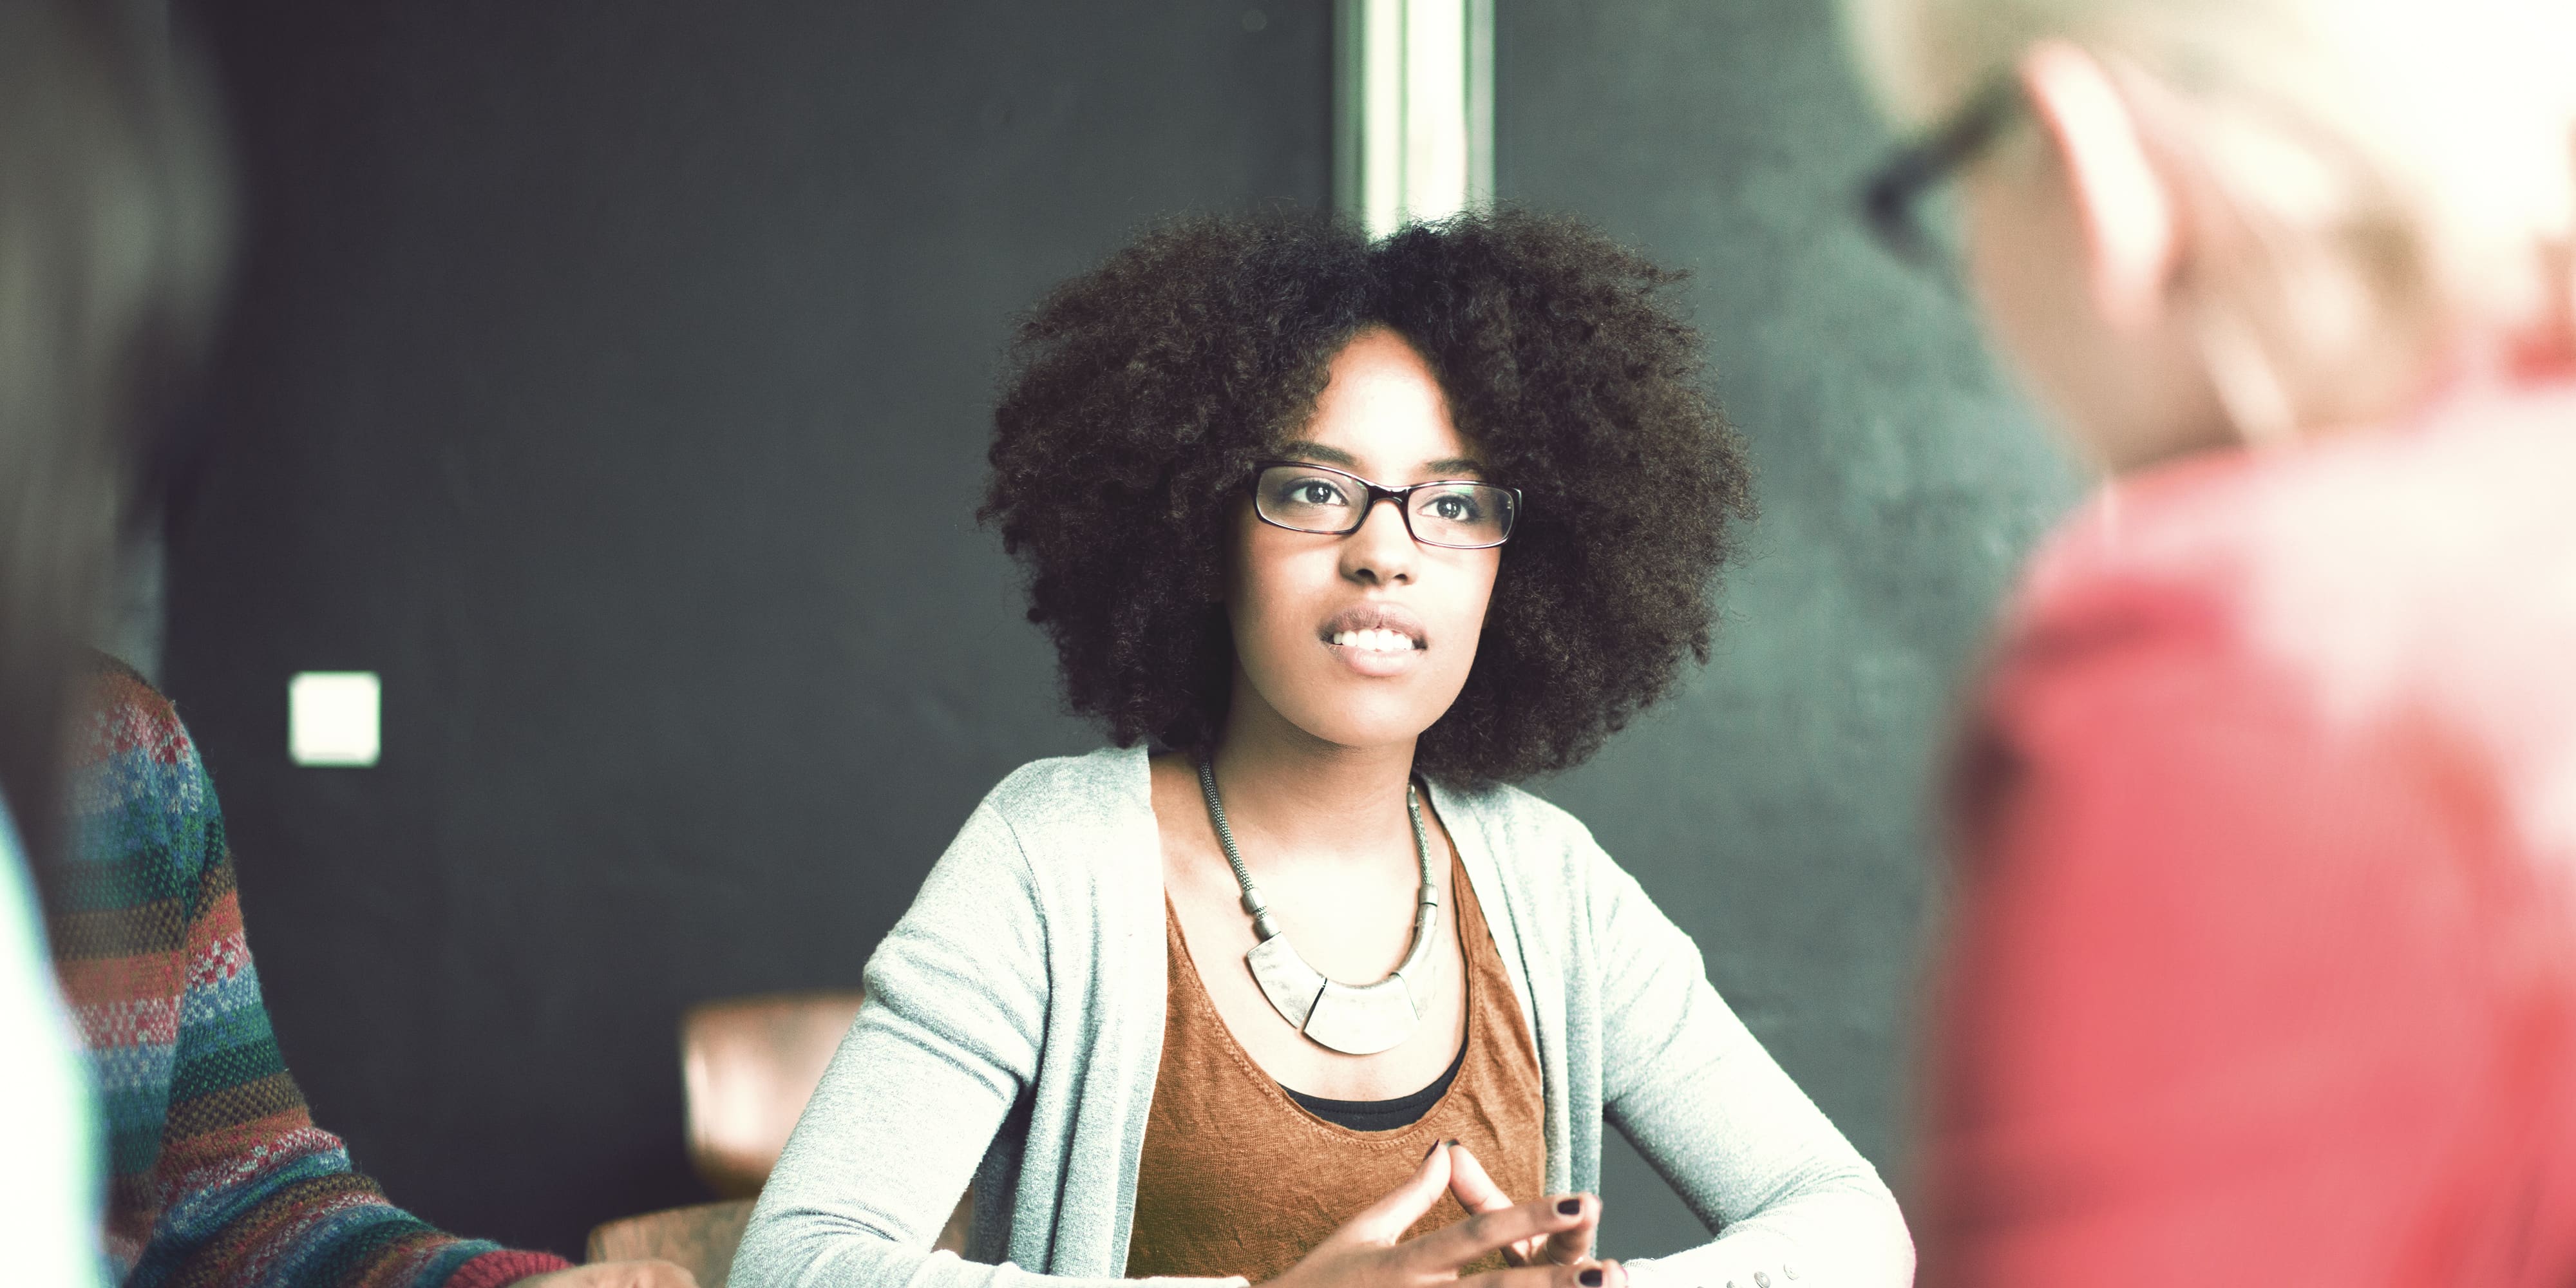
(1307, 797)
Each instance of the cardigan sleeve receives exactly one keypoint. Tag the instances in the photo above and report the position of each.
(1723, 1124)
(219, 1175)
(946, 1044)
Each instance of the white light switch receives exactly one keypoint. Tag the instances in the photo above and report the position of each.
(331, 717)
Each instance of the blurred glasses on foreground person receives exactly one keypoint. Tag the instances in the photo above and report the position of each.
(1339, 539)
(112, 231)
(2264, 961)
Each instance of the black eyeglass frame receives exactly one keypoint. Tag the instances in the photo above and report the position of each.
(1888, 198)
(1402, 496)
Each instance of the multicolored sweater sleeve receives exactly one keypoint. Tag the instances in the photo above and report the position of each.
(219, 1177)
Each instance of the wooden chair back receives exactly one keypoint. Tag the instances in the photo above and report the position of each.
(701, 1238)
(748, 1066)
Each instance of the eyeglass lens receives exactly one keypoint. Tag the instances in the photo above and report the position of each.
(1313, 499)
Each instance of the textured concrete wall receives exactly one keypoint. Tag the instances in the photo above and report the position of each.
(1775, 810)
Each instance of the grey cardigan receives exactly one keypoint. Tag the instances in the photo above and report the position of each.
(1014, 1023)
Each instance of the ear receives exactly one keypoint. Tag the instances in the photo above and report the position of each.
(2131, 221)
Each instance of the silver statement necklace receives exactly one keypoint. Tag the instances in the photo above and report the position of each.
(1352, 1019)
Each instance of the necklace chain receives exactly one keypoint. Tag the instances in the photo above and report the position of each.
(1359, 1019)
(1253, 903)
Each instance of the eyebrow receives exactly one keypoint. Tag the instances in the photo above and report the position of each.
(1447, 466)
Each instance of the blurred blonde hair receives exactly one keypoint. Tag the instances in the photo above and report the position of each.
(2375, 182)
(113, 226)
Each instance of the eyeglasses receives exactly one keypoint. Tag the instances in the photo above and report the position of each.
(1456, 513)
(1891, 201)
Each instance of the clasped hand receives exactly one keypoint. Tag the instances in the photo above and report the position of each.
(1548, 1242)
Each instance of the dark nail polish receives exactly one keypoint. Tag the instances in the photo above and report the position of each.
(1569, 1206)
(1591, 1278)
(1453, 1142)
(1435, 1148)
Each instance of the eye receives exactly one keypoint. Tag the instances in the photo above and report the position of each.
(1456, 507)
(1300, 491)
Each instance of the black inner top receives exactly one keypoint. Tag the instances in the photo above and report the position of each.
(1381, 1115)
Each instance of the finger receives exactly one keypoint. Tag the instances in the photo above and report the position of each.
(1385, 1221)
(626, 1274)
(1476, 1191)
(1444, 1250)
(1568, 1246)
(652, 1274)
(1590, 1274)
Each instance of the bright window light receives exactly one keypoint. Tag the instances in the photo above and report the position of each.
(332, 718)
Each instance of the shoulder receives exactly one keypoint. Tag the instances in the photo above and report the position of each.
(2346, 592)
(2144, 662)
(1520, 824)
(1098, 780)
(129, 720)
(2357, 566)
(1060, 828)
(1047, 858)
(1072, 803)
(2246, 653)
(146, 823)
(1534, 844)
(136, 758)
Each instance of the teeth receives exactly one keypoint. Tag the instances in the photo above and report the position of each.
(1375, 641)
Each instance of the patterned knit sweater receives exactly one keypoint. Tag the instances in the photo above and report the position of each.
(219, 1177)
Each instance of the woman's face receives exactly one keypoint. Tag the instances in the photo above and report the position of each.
(1361, 640)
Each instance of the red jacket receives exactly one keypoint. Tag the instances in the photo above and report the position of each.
(2264, 962)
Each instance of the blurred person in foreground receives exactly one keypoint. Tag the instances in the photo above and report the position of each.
(2264, 965)
(112, 228)
(218, 1175)
(110, 233)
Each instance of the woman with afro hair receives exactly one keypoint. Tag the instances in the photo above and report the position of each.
(1290, 985)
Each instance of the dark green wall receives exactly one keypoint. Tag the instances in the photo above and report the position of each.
(1776, 810)
(614, 377)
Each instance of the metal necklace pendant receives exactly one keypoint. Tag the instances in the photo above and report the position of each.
(1354, 1019)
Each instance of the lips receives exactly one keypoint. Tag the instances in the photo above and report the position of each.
(1382, 622)
(1380, 630)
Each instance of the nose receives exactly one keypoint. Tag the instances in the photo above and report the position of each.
(1381, 552)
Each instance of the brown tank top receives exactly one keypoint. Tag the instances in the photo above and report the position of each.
(1238, 1179)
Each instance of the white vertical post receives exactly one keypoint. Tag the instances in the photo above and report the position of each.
(1414, 109)
(1479, 85)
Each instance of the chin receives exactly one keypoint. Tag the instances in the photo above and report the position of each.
(1366, 723)
(1364, 738)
